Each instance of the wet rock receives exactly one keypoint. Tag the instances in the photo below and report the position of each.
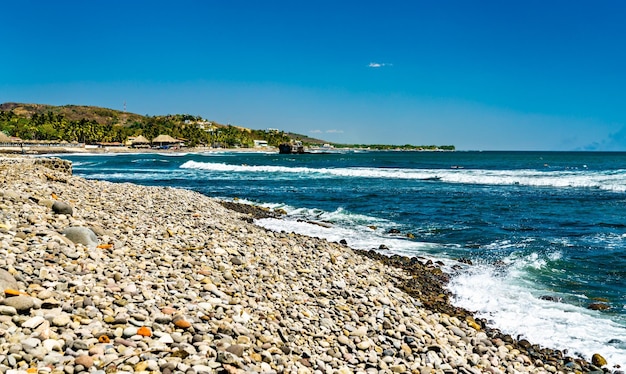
(598, 306)
(598, 360)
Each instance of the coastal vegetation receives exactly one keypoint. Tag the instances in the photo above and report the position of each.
(96, 125)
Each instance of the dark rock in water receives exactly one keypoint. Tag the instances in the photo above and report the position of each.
(465, 260)
(598, 306)
(382, 246)
(81, 235)
(393, 231)
(555, 299)
(343, 241)
(60, 207)
(410, 236)
(291, 148)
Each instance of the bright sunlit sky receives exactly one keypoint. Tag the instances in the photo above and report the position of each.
(480, 75)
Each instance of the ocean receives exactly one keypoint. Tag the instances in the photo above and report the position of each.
(545, 232)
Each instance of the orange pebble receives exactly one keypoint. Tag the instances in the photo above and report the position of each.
(104, 339)
(181, 322)
(54, 196)
(144, 331)
(11, 292)
(105, 246)
(31, 370)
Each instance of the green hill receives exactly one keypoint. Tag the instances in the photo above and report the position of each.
(103, 116)
(91, 124)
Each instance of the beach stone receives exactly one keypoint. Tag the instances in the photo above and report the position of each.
(129, 331)
(85, 361)
(33, 322)
(202, 369)
(61, 320)
(236, 349)
(22, 303)
(30, 343)
(344, 340)
(226, 358)
(7, 281)
(364, 345)
(598, 360)
(181, 322)
(81, 235)
(60, 207)
(52, 345)
(361, 331)
(166, 339)
(458, 332)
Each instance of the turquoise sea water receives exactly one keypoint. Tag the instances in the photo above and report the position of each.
(533, 224)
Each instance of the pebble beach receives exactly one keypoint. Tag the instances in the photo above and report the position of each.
(102, 277)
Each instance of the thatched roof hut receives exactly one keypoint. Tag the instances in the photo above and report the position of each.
(165, 140)
(140, 141)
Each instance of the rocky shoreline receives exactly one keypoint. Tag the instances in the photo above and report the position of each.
(103, 277)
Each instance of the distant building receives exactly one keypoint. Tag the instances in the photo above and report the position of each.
(205, 125)
(260, 144)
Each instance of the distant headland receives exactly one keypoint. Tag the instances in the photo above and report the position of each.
(40, 128)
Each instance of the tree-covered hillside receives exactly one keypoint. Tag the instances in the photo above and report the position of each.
(90, 125)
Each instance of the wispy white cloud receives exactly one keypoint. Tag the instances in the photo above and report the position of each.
(334, 131)
(376, 65)
(315, 131)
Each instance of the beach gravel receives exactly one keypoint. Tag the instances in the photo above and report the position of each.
(153, 279)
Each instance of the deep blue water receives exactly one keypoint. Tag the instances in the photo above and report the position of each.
(533, 223)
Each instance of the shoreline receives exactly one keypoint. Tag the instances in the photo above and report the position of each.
(254, 300)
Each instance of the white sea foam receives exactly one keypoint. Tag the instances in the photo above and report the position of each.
(611, 181)
(144, 160)
(359, 231)
(510, 303)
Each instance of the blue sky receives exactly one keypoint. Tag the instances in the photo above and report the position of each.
(481, 75)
